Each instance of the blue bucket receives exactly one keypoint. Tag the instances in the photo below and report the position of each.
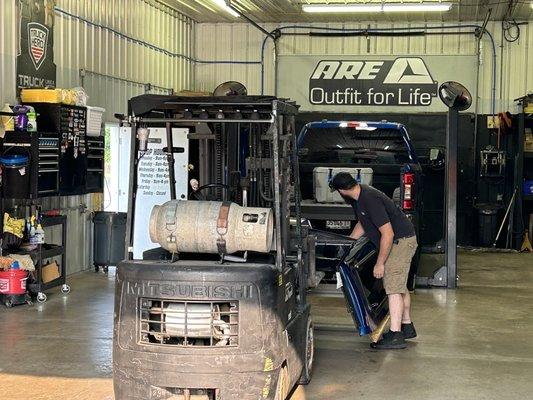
(528, 188)
(15, 176)
(14, 160)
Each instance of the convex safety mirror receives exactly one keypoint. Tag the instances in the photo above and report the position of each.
(455, 95)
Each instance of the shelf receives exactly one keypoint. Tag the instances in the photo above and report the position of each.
(53, 251)
(53, 220)
(35, 287)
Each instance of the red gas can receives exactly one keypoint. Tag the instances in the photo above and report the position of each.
(13, 281)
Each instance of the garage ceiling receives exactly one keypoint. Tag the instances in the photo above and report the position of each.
(291, 11)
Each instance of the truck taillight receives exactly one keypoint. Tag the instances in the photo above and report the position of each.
(408, 191)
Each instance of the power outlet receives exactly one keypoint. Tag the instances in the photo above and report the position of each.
(493, 122)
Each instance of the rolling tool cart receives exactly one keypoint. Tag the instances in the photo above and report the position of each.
(44, 252)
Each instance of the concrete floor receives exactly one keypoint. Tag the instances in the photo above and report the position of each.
(473, 343)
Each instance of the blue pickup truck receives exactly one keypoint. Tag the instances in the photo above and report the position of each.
(382, 149)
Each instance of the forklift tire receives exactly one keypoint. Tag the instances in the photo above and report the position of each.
(309, 354)
(282, 387)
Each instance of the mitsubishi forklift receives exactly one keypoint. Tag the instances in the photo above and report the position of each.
(209, 314)
(218, 309)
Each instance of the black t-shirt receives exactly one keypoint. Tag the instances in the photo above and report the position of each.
(374, 209)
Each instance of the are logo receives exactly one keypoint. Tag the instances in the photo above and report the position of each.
(37, 43)
(402, 81)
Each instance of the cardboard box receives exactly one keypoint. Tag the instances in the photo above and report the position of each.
(50, 272)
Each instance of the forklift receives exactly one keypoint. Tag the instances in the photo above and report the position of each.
(218, 309)
(209, 315)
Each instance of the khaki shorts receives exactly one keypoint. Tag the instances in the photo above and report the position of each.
(398, 265)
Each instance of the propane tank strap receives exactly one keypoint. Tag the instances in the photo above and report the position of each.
(222, 226)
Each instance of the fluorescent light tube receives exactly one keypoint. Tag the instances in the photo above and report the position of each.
(341, 8)
(416, 7)
(222, 4)
(382, 7)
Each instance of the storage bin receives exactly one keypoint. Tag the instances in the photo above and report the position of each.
(323, 175)
(41, 95)
(109, 238)
(13, 282)
(15, 176)
(528, 188)
(95, 116)
(487, 223)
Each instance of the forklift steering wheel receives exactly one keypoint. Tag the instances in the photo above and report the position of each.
(196, 195)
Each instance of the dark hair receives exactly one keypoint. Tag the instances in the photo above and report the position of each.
(342, 180)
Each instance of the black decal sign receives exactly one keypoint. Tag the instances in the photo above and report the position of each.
(404, 81)
(35, 61)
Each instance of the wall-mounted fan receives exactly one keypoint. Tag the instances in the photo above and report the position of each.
(230, 88)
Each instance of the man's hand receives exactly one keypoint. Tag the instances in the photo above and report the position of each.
(358, 231)
(379, 270)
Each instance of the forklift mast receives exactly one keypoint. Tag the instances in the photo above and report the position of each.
(247, 155)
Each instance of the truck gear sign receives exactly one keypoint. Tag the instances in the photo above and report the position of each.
(35, 59)
(37, 37)
(404, 81)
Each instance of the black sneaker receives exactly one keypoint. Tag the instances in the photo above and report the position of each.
(409, 331)
(390, 340)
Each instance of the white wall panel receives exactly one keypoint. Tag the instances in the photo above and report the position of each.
(8, 51)
(243, 42)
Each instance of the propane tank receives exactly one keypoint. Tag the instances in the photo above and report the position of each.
(197, 227)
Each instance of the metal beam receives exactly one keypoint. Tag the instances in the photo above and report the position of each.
(251, 21)
(452, 133)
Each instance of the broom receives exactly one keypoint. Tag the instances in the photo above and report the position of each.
(376, 333)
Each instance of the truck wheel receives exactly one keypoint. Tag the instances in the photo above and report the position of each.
(309, 353)
(282, 388)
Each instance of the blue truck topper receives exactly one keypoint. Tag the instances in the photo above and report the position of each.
(325, 124)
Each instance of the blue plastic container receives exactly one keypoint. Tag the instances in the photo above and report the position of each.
(528, 188)
(14, 160)
(15, 176)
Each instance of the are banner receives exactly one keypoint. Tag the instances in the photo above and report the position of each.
(361, 83)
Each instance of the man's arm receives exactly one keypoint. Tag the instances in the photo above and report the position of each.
(358, 231)
(385, 246)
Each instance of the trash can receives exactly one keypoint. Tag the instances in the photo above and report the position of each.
(15, 176)
(109, 239)
(487, 223)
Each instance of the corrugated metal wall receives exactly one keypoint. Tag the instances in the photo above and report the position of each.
(95, 47)
(243, 42)
(93, 38)
(103, 36)
(79, 211)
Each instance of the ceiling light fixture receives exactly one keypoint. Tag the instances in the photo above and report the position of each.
(222, 4)
(382, 7)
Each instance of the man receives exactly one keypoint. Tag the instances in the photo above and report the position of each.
(394, 235)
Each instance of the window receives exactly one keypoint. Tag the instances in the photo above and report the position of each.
(354, 146)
